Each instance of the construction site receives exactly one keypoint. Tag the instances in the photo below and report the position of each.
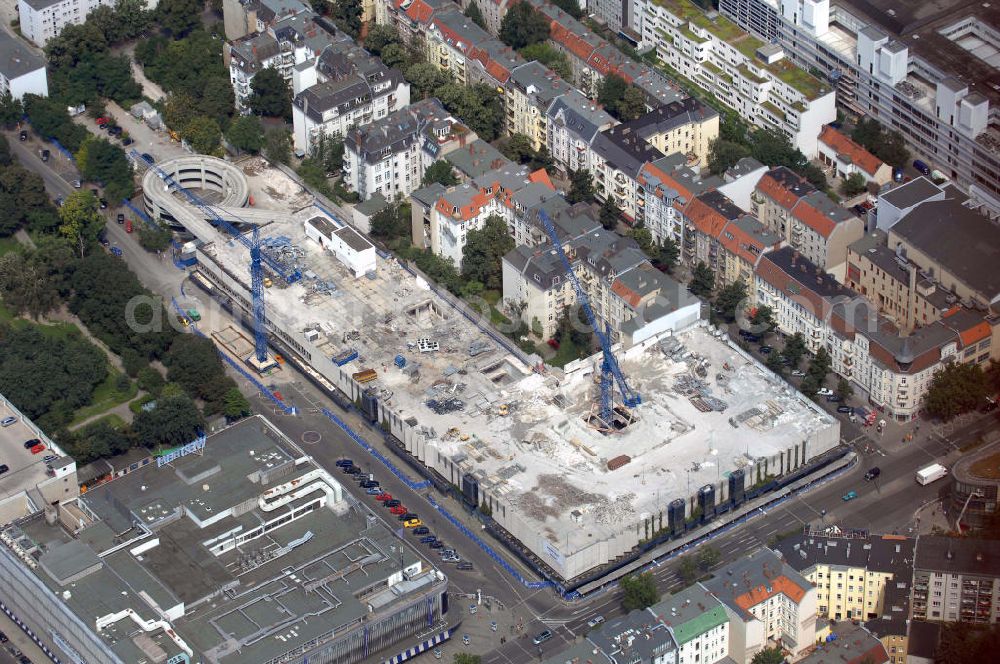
(518, 437)
(234, 548)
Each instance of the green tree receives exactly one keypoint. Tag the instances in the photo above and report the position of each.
(484, 251)
(395, 55)
(81, 220)
(278, 145)
(390, 224)
(688, 570)
(611, 91)
(768, 656)
(24, 287)
(702, 281)
(270, 95)
(795, 348)
(172, 422)
(762, 320)
(193, 363)
(440, 171)
(867, 132)
(475, 14)
(347, 15)
(246, 133)
(708, 557)
(179, 17)
(609, 214)
(631, 105)
(853, 185)
(11, 110)
(774, 363)
(668, 254)
(844, 389)
(380, 36)
(102, 161)
(235, 405)
(571, 7)
(644, 239)
(150, 380)
(820, 365)
(546, 54)
(958, 388)
(723, 155)
(154, 239)
(581, 189)
(639, 591)
(518, 148)
(523, 25)
(424, 78)
(203, 134)
(730, 299)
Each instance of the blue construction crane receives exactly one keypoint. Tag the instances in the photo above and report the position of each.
(611, 373)
(257, 295)
(290, 275)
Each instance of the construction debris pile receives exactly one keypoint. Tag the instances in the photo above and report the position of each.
(699, 393)
(762, 418)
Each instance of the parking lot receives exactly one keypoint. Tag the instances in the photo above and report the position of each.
(25, 468)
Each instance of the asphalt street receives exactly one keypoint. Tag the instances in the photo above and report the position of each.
(887, 504)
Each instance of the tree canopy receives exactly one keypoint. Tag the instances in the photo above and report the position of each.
(581, 189)
(346, 14)
(702, 281)
(104, 162)
(547, 54)
(523, 25)
(958, 388)
(82, 221)
(768, 656)
(440, 171)
(179, 17)
(730, 299)
(475, 14)
(639, 591)
(174, 421)
(889, 146)
(626, 102)
(246, 133)
(270, 95)
(484, 252)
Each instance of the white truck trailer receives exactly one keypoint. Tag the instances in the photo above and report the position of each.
(931, 473)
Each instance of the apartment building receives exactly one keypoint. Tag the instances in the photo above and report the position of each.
(241, 17)
(341, 89)
(571, 123)
(615, 157)
(956, 580)
(22, 72)
(891, 368)
(847, 158)
(686, 126)
(529, 93)
(41, 20)
(493, 12)
(443, 216)
(819, 229)
(390, 155)
(637, 637)
(750, 76)
(667, 187)
(705, 217)
(635, 299)
(768, 603)
(699, 624)
(288, 44)
(475, 159)
(858, 576)
(913, 67)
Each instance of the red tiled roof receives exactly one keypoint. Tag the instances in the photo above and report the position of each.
(975, 334)
(665, 179)
(778, 585)
(742, 243)
(706, 219)
(813, 218)
(419, 11)
(626, 293)
(841, 144)
(542, 176)
(770, 187)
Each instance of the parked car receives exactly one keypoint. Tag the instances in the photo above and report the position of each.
(766, 350)
(798, 373)
(32, 442)
(148, 158)
(369, 484)
(3, 469)
(398, 509)
(102, 121)
(850, 495)
(344, 463)
(542, 637)
(406, 516)
(392, 503)
(8, 421)
(44, 154)
(127, 141)
(103, 203)
(24, 135)
(77, 184)
(833, 398)
(824, 391)
(595, 621)
(422, 530)
(427, 539)
(3, 638)
(922, 167)
(437, 544)
(873, 473)
(49, 458)
(121, 218)
(465, 566)
(897, 174)
(412, 523)
(844, 409)
(382, 497)
(372, 491)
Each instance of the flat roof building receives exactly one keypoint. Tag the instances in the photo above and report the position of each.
(235, 548)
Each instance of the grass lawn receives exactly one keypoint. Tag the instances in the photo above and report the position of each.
(8, 244)
(105, 396)
(567, 353)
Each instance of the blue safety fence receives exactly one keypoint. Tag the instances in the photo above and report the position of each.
(285, 408)
(66, 153)
(534, 585)
(139, 213)
(416, 486)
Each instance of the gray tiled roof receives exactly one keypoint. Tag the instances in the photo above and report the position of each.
(582, 116)
(397, 130)
(16, 59)
(476, 158)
